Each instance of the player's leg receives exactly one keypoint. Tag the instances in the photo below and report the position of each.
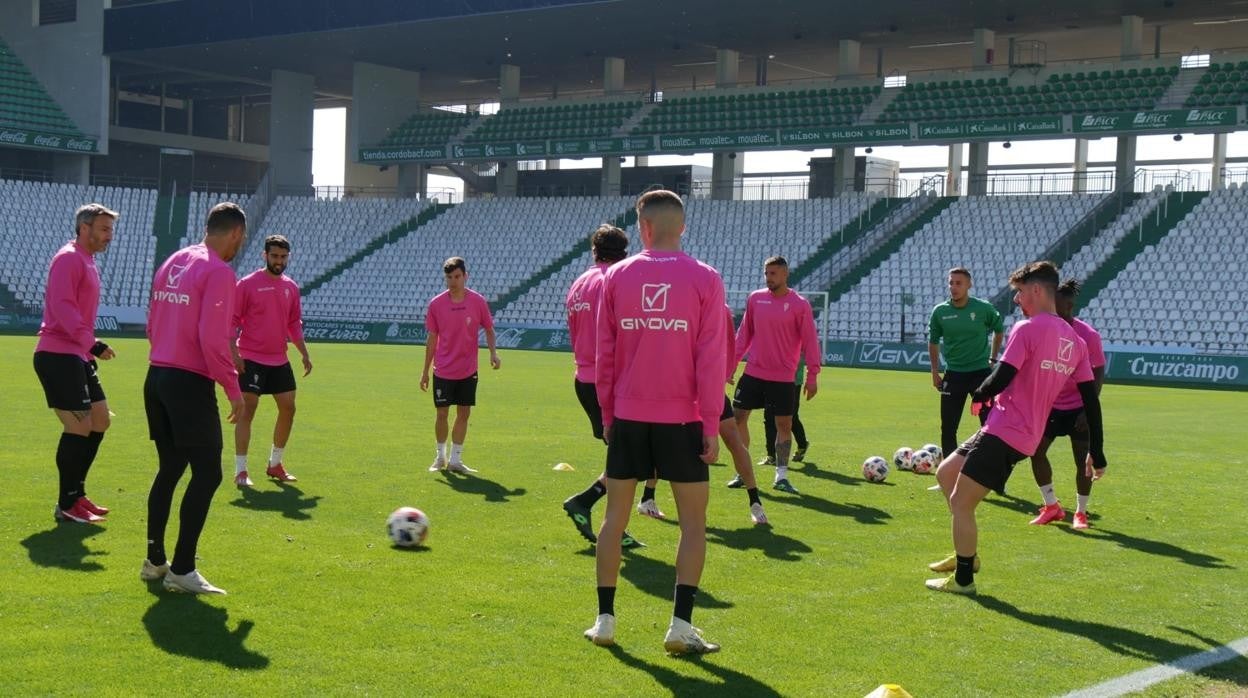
(285, 402)
(578, 506)
(948, 471)
(1042, 471)
(101, 420)
(966, 496)
(628, 455)
(690, 481)
(647, 506)
(780, 397)
(769, 435)
(742, 418)
(242, 436)
(459, 432)
(66, 388)
(952, 400)
(441, 432)
(170, 466)
(799, 429)
(741, 463)
(1079, 444)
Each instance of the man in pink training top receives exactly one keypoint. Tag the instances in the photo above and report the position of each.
(65, 360)
(1068, 419)
(660, 372)
(453, 318)
(190, 327)
(1041, 355)
(609, 245)
(777, 330)
(267, 313)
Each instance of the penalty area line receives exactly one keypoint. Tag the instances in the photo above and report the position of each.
(1139, 680)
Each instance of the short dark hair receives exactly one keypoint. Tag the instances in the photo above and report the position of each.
(276, 241)
(609, 243)
(659, 200)
(1041, 272)
(225, 217)
(960, 270)
(453, 263)
(776, 261)
(1070, 288)
(87, 213)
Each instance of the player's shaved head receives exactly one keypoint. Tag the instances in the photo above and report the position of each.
(663, 212)
(1042, 272)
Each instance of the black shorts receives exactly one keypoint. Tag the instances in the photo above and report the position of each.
(69, 383)
(462, 392)
(587, 393)
(641, 450)
(962, 383)
(263, 379)
(1072, 423)
(181, 408)
(753, 393)
(727, 413)
(989, 460)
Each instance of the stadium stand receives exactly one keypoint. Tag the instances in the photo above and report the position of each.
(769, 108)
(432, 127)
(1222, 84)
(24, 103)
(38, 220)
(505, 242)
(197, 213)
(586, 120)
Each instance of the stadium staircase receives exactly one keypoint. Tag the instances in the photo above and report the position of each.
(1180, 89)
(849, 234)
(395, 234)
(622, 221)
(877, 106)
(637, 117)
(24, 103)
(1154, 228)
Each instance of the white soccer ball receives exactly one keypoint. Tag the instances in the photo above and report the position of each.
(407, 527)
(901, 457)
(922, 462)
(933, 449)
(875, 469)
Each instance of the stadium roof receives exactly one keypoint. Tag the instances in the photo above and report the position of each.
(224, 48)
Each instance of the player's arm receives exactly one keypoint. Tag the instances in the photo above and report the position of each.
(934, 333)
(215, 326)
(996, 382)
(604, 358)
(811, 352)
(294, 330)
(745, 335)
(236, 324)
(996, 323)
(997, 339)
(431, 348)
(487, 321)
(708, 366)
(1095, 463)
(63, 278)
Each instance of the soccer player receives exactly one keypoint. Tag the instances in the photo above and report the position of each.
(189, 325)
(453, 318)
(267, 313)
(1068, 419)
(660, 371)
(65, 360)
(957, 330)
(609, 245)
(1042, 355)
(777, 331)
(799, 429)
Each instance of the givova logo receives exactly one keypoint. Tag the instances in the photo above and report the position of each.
(876, 353)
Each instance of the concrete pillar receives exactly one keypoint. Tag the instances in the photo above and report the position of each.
(357, 175)
(413, 180)
(508, 84)
(978, 179)
(727, 65)
(1081, 167)
(848, 53)
(842, 170)
(381, 98)
(985, 51)
(612, 75)
(290, 131)
(641, 161)
(72, 168)
(610, 183)
(953, 176)
(1132, 37)
(507, 180)
(760, 71)
(1124, 164)
(726, 171)
(1219, 161)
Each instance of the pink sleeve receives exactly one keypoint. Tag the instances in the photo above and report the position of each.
(1083, 369)
(216, 312)
(810, 345)
(1096, 350)
(745, 333)
(62, 302)
(730, 367)
(431, 319)
(294, 325)
(1016, 350)
(708, 356)
(240, 303)
(604, 355)
(487, 320)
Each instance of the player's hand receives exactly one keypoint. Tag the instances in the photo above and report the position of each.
(424, 382)
(1090, 469)
(236, 409)
(606, 436)
(710, 449)
(108, 354)
(239, 364)
(307, 366)
(811, 389)
(936, 380)
(495, 361)
(732, 380)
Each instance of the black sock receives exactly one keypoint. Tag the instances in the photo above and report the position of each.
(93, 439)
(591, 495)
(71, 453)
(965, 573)
(606, 600)
(684, 602)
(647, 494)
(753, 492)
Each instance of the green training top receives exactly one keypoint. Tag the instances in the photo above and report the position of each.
(964, 330)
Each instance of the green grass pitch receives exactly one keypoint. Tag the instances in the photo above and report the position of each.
(829, 601)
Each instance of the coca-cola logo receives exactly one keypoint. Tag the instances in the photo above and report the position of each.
(80, 144)
(7, 136)
(49, 141)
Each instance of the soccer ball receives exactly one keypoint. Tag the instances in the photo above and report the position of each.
(875, 469)
(933, 449)
(901, 458)
(922, 462)
(407, 527)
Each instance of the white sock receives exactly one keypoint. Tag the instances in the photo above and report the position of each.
(457, 453)
(240, 463)
(276, 456)
(1082, 506)
(442, 450)
(1046, 491)
(782, 472)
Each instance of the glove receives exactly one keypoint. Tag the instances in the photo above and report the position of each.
(97, 350)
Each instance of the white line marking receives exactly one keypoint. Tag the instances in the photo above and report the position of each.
(1144, 678)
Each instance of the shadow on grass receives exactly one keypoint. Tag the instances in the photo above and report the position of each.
(811, 469)
(474, 484)
(1128, 643)
(730, 683)
(287, 500)
(761, 538)
(656, 578)
(64, 546)
(1152, 547)
(185, 626)
(861, 513)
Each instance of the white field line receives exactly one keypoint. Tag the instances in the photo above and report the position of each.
(1139, 680)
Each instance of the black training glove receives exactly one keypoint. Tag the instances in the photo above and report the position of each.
(98, 349)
